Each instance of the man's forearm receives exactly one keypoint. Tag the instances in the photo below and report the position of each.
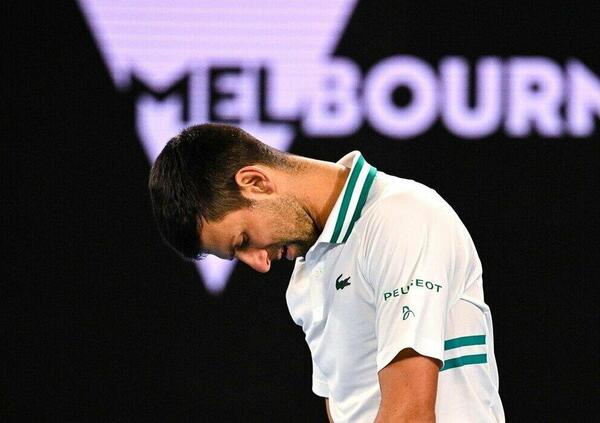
(328, 412)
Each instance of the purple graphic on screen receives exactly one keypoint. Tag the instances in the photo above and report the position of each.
(268, 66)
(226, 52)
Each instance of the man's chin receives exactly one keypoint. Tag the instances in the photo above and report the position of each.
(296, 249)
(291, 251)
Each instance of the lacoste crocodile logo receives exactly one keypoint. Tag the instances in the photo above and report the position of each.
(341, 284)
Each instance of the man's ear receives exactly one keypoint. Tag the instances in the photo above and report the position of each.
(255, 181)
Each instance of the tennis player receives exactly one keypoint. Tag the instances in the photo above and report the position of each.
(387, 284)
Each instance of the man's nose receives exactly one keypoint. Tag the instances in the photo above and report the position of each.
(258, 259)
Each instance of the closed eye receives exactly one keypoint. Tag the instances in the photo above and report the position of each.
(242, 246)
(245, 242)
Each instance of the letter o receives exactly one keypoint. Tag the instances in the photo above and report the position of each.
(385, 116)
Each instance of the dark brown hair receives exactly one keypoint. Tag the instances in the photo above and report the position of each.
(194, 177)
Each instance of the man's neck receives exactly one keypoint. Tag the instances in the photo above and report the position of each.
(318, 186)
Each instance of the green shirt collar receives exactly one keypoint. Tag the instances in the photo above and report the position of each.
(349, 205)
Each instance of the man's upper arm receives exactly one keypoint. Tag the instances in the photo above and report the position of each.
(410, 256)
(409, 259)
(408, 387)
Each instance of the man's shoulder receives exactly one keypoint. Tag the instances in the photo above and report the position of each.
(403, 201)
(406, 212)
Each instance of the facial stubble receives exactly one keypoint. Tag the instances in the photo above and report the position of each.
(292, 224)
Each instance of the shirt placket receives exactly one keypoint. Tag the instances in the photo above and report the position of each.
(317, 293)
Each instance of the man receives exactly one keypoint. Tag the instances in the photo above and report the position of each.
(387, 283)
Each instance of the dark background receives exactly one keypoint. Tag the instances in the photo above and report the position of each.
(100, 321)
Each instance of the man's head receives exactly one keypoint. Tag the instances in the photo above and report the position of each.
(215, 189)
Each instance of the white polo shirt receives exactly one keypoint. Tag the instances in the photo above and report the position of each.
(394, 268)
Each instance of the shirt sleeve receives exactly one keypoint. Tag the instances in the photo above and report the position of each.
(410, 251)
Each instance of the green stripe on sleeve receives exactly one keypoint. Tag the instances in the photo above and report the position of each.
(361, 200)
(464, 341)
(464, 360)
(346, 200)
